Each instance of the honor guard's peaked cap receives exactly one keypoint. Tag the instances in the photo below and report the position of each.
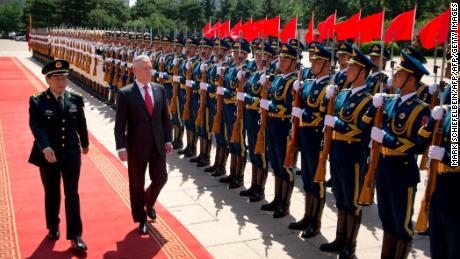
(415, 54)
(294, 42)
(206, 42)
(166, 39)
(312, 44)
(289, 51)
(243, 45)
(266, 49)
(344, 48)
(322, 53)
(376, 49)
(411, 65)
(361, 59)
(179, 40)
(222, 43)
(191, 41)
(56, 67)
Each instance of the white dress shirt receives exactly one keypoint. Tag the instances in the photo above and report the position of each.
(142, 90)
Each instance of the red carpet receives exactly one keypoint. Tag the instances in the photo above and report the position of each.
(107, 226)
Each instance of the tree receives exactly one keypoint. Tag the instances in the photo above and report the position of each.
(43, 12)
(10, 16)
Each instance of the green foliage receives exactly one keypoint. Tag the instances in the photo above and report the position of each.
(10, 16)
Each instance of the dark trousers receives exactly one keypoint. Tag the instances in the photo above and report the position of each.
(67, 167)
(252, 127)
(277, 140)
(136, 172)
(310, 146)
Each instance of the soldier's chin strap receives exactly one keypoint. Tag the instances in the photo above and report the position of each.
(356, 77)
(405, 82)
(322, 67)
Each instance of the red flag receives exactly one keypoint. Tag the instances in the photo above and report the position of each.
(326, 28)
(209, 33)
(233, 33)
(370, 27)
(289, 31)
(206, 28)
(347, 29)
(251, 30)
(310, 36)
(224, 28)
(436, 28)
(270, 27)
(401, 28)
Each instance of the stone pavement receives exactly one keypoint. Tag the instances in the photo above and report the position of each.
(225, 223)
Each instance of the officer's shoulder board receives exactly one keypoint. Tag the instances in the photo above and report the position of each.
(37, 95)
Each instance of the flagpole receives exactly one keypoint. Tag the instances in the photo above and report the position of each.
(413, 25)
(392, 63)
(382, 46)
(435, 67)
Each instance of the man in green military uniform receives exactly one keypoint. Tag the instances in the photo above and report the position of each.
(58, 123)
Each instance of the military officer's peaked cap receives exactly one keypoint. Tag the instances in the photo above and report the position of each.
(147, 36)
(345, 48)
(229, 40)
(56, 67)
(289, 51)
(191, 41)
(415, 54)
(156, 38)
(266, 49)
(294, 42)
(376, 49)
(255, 42)
(275, 43)
(206, 42)
(361, 59)
(242, 45)
(322, 53)
(221, 43)
(179, 40)
(412, 65)
(312, 44)
(166, 39)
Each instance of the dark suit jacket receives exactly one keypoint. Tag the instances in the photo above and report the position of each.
(51, 127)
(141, 134)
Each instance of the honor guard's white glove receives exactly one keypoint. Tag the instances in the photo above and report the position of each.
(377, 134)
(330, 121)
(175, 61)
(436, 152)
(162, 59)
(203, 67)
(220, 90)
(204, 86)
(188, 65)
(161, 75)
(297, 84)
(240, 96)
(433, 88)
(390, 82)
(378, 100)
(188, 83)
(176, 79)
(264, 104)
(263, 79)
(214, 59)
(437, 113)
(240, 74)
(297, 112)
(330, 91)
(219, 70)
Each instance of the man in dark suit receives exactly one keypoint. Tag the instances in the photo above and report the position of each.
(143, 136)
(58, 123)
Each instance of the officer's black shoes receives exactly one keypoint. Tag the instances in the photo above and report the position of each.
(210, 169)
(249, 192)
(203, 162)
(281, 211)
(78, 244)
(274, 204)
(219, 171)
(227, 179)
(315, 225)
(177, 145)
(196, 159)
(311, 231)
(151, 213)
(286, 193)
(190, 153)
(53, 234)
(237, 182)
(305, 221)
(348, 253)
(142, 228)
(340, 235)
(257, 195)
(271, 206)
(183, 151)
(353, 222)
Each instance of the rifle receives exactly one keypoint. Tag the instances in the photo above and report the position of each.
(188, 93)
(367, 193)
(320, 174)
(162, 60)
(422, 220)
(199, 122)
(174, 99)
(219, 105)
(293, 146)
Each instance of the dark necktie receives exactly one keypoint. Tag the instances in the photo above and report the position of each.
(61, 103)
(148, 101)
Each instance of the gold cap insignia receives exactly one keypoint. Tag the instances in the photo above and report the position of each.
(376, 48)
(58, 64)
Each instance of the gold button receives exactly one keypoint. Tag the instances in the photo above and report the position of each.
(63, 128)
(62, 145)
(63, 137)
(63, 120)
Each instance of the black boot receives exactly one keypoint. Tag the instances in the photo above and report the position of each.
(340, 234)
(251, 189)
(274, 204)
(189, 144)
(192, 150)
(388, 245)
(315, 225)
(205, 158)
(229, 179)
(305, 221)
(238, 180)
(259, 192)
(217, 158)
(402, 249)
(283, 208)
(202, 148)
(180, 136)
(352, 229)
(221, 166)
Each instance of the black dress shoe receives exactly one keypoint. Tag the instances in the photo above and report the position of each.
(78, 244)
(190, 153)
(151, 213)
(237, 182)
(142, 228)
(53, 234)
(226, 179)
(203, 162)
(195, 159)
(311, 231)
(210, 169)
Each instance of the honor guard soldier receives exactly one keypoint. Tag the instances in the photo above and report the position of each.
(376, 75)
(306, 73)
(344, 53)
(179, 99)
(163, 74)
(58, 124)
(279, 106)
(311, 113)
(187, 68)
(275, 65)
(223, 47)
(203, 130)
(155, 54)
(251, 97)
(397, 173)
(348, 153)
(424, 92)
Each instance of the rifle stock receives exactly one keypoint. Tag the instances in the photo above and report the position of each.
(188, 96)
(219, 106)
(174, 99)
(199, 118)
(293, 145)
(235, 138)
(260, 143)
